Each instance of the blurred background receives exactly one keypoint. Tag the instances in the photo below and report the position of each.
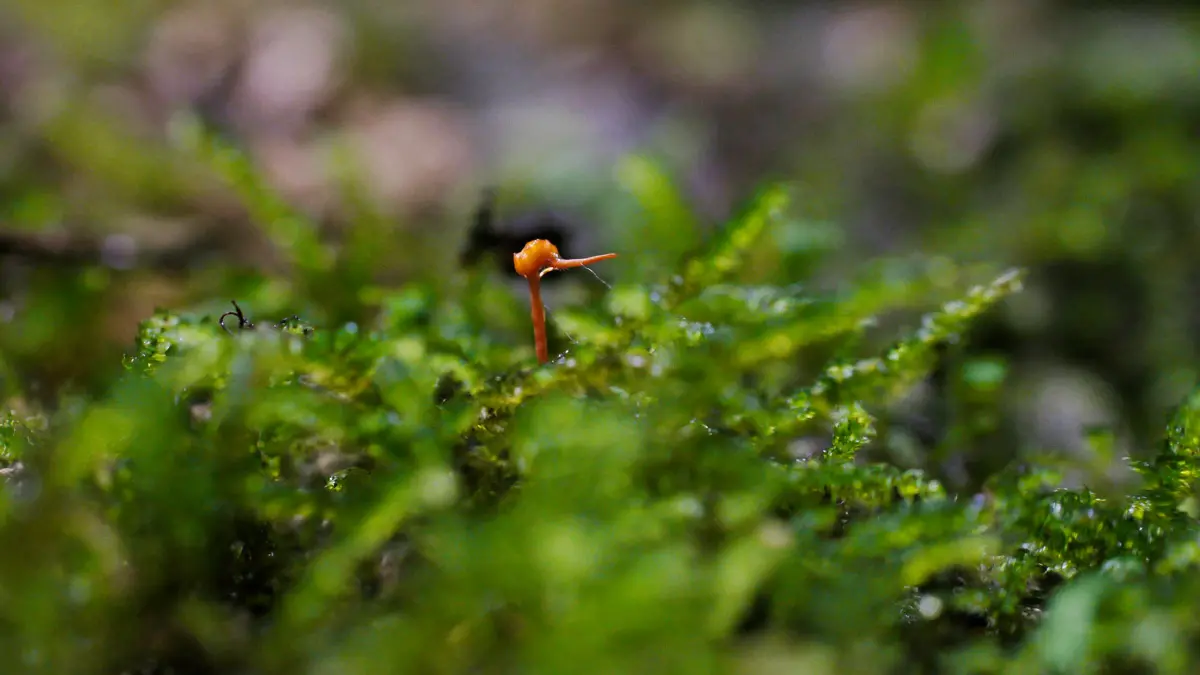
(1061, 137)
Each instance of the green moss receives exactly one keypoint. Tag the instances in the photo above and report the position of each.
(695, 474)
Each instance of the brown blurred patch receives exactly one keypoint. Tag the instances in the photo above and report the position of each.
(412, 153)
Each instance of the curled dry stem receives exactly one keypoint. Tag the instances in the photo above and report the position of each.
(244, 323)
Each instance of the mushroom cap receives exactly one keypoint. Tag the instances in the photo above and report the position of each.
(537, 256)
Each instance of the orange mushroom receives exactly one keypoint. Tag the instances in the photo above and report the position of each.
(536, 259)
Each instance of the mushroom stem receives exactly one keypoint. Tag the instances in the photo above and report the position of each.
(538, 313)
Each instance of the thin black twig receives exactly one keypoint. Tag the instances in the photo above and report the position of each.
(244, 323)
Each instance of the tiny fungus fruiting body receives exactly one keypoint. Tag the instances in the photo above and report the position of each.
(536, 259)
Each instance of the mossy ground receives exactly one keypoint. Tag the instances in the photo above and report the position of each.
(702, 480)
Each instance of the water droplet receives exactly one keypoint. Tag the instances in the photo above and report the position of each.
(930, 606)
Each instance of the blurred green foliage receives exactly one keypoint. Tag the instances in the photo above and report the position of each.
(699, 481)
